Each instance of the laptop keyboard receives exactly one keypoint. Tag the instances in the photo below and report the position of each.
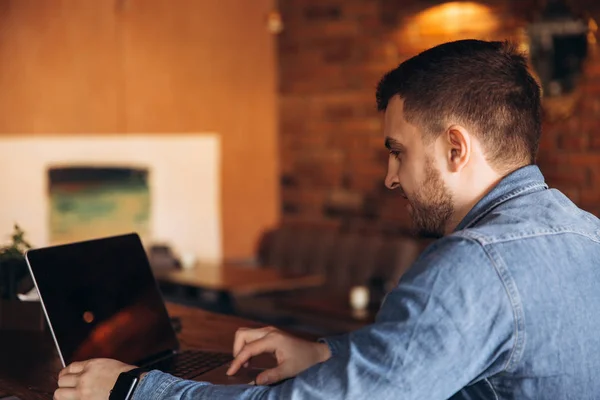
(190, 363)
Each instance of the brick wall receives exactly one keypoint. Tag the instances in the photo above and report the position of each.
(331, 56)
(570, 148)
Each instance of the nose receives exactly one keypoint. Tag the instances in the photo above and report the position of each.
(391, 180)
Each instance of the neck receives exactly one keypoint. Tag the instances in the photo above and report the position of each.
(461, 212)
(474, 193)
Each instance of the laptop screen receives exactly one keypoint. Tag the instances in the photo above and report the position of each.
(101, 300)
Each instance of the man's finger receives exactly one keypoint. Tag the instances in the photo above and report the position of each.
(263, 345)
(76, 367)
(68, 380)
(65, 394)
(272, 375)
(244, 336)
(239, 334)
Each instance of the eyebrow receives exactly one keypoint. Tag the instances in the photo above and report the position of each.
(391, 143)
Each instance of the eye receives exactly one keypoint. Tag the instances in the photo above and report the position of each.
(395, 153)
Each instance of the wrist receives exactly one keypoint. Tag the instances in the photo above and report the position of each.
(126, 383)
(323, 352)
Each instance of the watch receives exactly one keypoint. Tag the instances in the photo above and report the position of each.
(126, 384)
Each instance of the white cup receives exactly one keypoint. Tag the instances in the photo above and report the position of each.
(188, 260)
(359, 297)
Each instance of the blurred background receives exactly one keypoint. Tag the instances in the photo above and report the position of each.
(245, 132)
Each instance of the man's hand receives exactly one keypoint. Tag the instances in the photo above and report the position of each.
(293, 355)
(89, 380)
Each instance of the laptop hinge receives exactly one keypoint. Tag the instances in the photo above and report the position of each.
(156, 358)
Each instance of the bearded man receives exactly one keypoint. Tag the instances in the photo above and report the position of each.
(504, 305)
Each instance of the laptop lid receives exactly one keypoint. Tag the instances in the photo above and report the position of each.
(101, 300)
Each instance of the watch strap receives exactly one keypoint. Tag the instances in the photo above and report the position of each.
(126, 384)
(136, 372)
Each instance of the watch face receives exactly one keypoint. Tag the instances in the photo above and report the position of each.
(124, 387)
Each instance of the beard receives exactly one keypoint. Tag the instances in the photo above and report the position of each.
(431, 207)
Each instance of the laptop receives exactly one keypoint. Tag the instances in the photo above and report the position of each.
(101, 300)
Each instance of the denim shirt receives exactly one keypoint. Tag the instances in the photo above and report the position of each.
(506, 307)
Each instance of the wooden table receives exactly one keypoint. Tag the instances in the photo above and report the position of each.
(216, 287)
(329, 310)
(237, 279)
(29, 364)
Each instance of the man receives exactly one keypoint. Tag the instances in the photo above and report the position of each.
(505, 305)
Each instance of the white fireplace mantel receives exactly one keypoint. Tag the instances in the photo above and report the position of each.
(184, 180)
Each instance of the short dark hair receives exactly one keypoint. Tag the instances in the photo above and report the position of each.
(484, 86)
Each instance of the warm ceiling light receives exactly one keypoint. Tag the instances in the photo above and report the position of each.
(454, 18)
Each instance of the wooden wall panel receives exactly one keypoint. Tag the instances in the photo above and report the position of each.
(210, 65)
(118, 66)
(58, 66)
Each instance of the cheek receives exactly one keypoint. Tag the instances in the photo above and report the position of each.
(411, 190)
(409, 179)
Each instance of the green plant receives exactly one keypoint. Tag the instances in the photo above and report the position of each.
(18, 247)
(13, 267)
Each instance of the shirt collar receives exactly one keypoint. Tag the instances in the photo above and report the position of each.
(524, 180)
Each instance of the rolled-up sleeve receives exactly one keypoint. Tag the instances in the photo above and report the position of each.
(447, 324)
(335, 343)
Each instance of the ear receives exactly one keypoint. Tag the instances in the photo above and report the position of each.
(458, 147)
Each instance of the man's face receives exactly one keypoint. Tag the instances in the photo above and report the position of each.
(412, 169)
